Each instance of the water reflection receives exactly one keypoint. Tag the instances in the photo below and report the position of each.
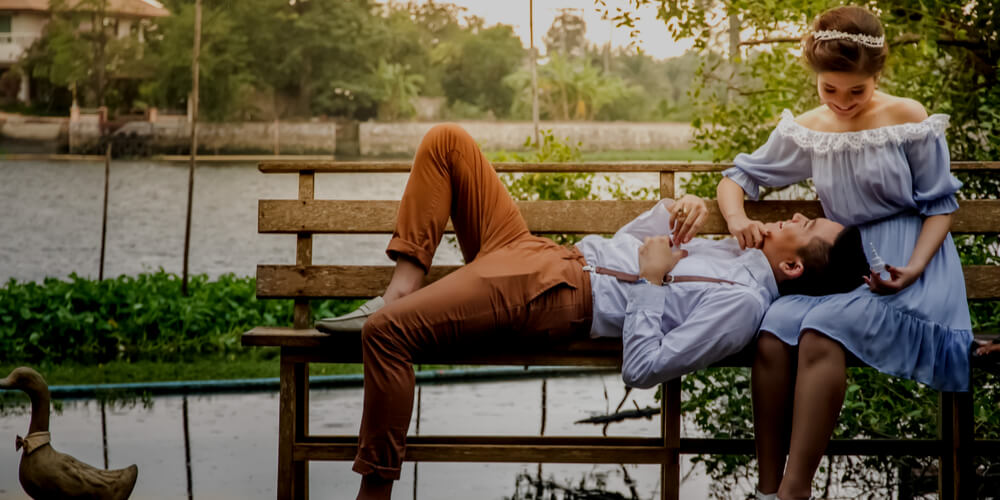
(232, 442)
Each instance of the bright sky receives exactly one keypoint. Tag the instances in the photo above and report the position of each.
(654, 38)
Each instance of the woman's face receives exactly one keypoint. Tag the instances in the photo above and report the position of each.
(846, 94)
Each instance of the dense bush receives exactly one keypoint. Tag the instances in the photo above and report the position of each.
(145, 317)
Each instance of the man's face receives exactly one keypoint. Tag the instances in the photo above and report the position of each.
(785, 238)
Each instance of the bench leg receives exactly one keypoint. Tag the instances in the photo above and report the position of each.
(670, 419)
(946, 433)
(955, 427)
(293, 421)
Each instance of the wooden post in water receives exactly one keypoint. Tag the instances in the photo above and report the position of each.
(104, 227)
(187, 448)
(416, 465)
(541, 432)
(534, 70)
(194, 140)
(104, 434)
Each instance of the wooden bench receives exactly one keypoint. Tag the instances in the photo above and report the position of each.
(301, 345)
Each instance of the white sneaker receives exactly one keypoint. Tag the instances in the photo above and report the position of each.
(352, 321)
(766, 496)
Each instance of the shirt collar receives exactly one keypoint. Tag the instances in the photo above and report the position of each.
(759, 267)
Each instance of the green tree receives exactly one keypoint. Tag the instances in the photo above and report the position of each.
(395, 87)
(567, 35)
(300, 47)
(80, 50)
(474, 65)
(569, 89)
(419, 29)
(224, 62)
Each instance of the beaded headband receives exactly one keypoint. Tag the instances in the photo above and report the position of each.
(875, 42)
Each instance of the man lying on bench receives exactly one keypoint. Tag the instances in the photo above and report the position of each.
(515, 284)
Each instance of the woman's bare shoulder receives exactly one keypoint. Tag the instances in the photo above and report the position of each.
(899, 110)
(814, 118)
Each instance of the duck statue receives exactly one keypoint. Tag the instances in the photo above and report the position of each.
(47, 474)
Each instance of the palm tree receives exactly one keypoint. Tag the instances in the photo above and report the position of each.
(395, 87)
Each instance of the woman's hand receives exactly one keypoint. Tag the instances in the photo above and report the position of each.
(899, 278)
(749, 233)
(687, 216)
(657, 257)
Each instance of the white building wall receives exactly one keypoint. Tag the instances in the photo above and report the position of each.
(29, 22)
(25, 28)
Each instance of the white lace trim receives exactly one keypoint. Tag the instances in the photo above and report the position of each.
(825, 142)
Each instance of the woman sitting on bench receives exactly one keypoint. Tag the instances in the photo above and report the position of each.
(519, 286)
(881, 162)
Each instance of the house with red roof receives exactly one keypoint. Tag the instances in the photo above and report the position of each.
(22, 23)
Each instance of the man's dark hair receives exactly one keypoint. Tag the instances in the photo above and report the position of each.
(830, 268)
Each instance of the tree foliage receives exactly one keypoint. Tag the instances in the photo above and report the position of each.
(271, 59)
(80, 49)
(567, 34)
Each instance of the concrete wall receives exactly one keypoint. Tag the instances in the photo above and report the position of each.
(402, 138)
(173, 134)
(252, 137)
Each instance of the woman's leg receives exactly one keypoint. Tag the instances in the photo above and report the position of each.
(450, 178)
(819, 394)
(772, 382)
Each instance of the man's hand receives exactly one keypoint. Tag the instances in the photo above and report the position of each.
(687, 216)
(657, 257)
(749, 233)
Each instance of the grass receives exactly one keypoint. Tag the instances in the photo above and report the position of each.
(651, 155)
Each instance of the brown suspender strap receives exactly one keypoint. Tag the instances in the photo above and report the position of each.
(634, 278)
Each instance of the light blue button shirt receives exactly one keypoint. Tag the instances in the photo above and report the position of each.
(671, 330)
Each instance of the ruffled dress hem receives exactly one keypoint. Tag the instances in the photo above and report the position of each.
(892, 341)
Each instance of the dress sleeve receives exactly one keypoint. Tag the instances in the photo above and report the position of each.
(934, 186)
(779, 162)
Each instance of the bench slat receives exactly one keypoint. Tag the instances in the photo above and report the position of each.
(331, 166)
(290, 282)
(578, 216)
(496, 453)
(599, 449)
(311, 346)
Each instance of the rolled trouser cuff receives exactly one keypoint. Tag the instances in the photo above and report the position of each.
(364, 467)
(398, 246)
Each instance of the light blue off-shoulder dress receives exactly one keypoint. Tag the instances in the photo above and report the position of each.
(886, 181)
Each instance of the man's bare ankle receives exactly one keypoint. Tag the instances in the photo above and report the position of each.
(394, 293)
(374, 487)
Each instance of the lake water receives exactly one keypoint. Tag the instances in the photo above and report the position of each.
(51, 218)
(233, 440)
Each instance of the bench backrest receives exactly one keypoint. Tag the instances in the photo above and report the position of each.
(306, 216)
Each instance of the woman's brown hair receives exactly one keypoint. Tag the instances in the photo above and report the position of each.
(844, 55)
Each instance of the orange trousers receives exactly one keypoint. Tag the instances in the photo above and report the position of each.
(514, 286)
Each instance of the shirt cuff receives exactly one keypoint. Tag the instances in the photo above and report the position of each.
(737, 175)
(646, 297)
